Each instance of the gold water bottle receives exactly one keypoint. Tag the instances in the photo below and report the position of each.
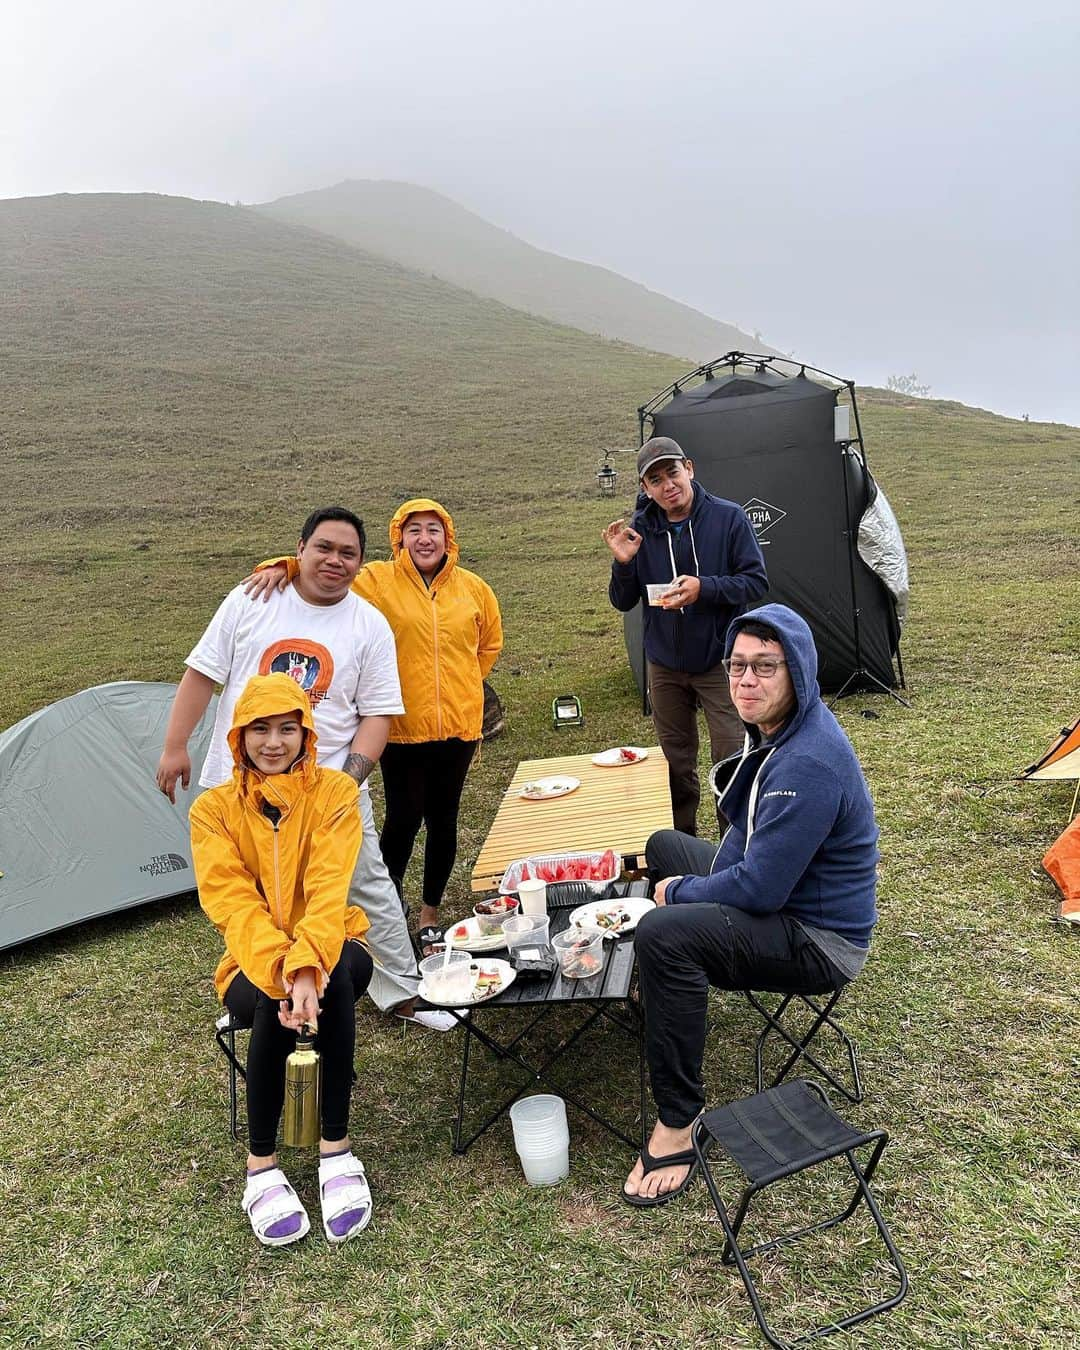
(300, 1127)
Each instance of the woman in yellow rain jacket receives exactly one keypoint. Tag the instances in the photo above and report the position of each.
(274, 850)
(448, 632)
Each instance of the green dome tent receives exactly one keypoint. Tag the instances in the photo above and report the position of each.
(84, 830)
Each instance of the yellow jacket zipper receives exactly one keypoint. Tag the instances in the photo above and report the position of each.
(435, 637)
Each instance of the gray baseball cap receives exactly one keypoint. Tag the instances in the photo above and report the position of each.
(656, 450)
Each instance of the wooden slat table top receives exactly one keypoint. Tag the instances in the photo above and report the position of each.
(613, 808)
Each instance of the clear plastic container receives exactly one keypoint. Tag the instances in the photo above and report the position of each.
(580, 953)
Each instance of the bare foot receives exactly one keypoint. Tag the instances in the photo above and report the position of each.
(429, 918)
(663, 1142)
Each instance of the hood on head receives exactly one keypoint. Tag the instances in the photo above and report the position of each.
(268, 696)
(795, 637)
(414, 504)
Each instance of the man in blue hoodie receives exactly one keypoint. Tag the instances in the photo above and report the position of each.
(786, 903)
(702, 552)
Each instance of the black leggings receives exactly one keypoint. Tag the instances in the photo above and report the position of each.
(271, 1044)
(423, 784)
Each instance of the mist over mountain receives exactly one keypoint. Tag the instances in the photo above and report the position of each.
(427, 231)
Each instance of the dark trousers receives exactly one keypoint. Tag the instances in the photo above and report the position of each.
(683, 949)
(271, 1044)
(423, 785)
(675, 697)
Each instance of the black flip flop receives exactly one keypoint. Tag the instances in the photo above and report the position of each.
(429, 937)
(651, 1164)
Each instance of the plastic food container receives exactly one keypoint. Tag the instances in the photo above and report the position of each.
(580, 953)
(492, 914)
(514, 873)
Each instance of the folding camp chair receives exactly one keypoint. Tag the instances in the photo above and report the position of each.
(225, 1029)
(772, 1136)
(782, 1022)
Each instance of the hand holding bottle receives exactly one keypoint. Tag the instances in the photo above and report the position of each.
(303, 1002)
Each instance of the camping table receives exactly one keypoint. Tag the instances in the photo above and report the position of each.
(613, 808)
(603, 996)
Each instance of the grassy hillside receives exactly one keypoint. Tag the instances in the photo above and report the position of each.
(182, 381)
(429, 232)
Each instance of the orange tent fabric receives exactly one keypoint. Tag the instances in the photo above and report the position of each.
(1062, 861)
(1062, 760)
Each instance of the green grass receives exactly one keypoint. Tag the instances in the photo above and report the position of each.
(182, 381)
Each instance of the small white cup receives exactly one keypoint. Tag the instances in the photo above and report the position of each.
(657, 592)
(533, 897)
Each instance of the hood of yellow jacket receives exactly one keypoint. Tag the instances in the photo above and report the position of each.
(269, 696)
(409, 508)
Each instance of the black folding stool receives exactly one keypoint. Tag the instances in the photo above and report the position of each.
(225, 1029)
(774, 1135)
(822, 1009)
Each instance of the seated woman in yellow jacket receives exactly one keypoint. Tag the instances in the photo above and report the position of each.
(448, 632)
(274, 850)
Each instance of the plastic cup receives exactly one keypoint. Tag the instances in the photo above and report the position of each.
(525, 931)
(580, 953)
(542, 1138)
(492, 914)
(533, 896)
(656, 593)
(448, 977)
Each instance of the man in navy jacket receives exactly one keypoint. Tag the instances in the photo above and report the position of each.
(702, 551)
(786, 903)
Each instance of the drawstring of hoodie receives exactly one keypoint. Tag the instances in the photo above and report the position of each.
(693, 550)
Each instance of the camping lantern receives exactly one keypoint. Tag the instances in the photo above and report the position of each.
(606, 477)
(566, 711)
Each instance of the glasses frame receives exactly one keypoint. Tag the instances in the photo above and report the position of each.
(773, 662)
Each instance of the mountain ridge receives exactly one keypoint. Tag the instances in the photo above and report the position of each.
(430, 232)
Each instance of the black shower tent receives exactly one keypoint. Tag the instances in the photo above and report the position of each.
(767, 440)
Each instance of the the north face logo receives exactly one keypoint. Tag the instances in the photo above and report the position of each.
(165, 862)
(761, 515)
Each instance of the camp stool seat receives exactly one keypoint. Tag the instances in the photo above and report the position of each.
(225, 1029)
(821, 1009)
(774, 1135)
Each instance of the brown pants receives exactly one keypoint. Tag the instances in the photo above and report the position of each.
(675, 698)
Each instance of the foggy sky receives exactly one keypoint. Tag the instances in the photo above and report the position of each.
(880, 188)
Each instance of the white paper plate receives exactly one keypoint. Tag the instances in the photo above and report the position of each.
(474, 940)
(507, 975)
(585, 915)
(543, 789)
(612, 759)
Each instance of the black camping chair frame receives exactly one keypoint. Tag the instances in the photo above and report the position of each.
(733, 1254)
(225, 1030)
(822, 1007)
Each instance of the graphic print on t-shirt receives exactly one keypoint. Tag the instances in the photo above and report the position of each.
(308, 663)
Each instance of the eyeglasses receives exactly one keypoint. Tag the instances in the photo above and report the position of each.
(764, 667)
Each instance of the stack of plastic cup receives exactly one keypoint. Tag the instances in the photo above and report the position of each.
(542, 1138)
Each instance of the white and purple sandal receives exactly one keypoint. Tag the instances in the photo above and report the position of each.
(345, 1196)
(277, 1215)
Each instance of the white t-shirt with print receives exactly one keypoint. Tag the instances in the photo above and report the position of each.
(342, 655)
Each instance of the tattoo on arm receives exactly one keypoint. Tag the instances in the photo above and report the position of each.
(358, 766)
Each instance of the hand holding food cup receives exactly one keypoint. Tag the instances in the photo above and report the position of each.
(683, 591)
(623, 541)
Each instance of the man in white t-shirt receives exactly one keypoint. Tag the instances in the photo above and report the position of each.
(340, 650)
